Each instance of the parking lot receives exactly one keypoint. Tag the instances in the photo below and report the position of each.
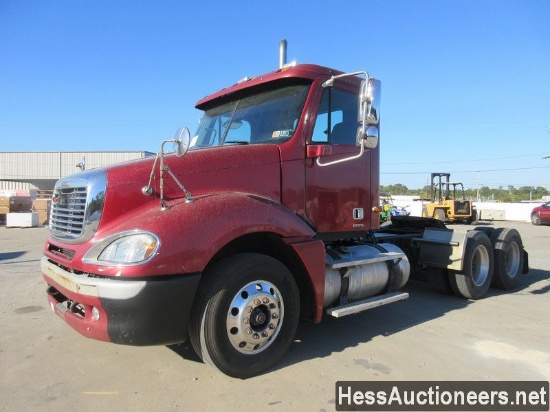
(45, 365)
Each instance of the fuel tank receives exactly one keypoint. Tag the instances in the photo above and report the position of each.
(368, 279)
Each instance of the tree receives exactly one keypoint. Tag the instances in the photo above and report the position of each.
(510, 194)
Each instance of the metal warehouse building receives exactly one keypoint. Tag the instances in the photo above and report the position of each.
(40, 170)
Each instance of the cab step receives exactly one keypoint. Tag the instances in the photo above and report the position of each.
(365, 304)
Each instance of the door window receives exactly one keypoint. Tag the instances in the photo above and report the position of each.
(337, 113)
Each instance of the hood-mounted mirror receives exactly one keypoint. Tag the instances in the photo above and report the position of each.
(180, 143)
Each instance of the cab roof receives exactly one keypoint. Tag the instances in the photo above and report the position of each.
(307, 72)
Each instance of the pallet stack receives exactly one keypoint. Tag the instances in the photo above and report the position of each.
(42, 207)
(4, 208)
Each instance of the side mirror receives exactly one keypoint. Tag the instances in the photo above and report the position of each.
(369, 113)
(181, 141)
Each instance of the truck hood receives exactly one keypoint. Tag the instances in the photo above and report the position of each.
(250, 169)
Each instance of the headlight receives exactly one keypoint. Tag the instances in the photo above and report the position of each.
(128, 248)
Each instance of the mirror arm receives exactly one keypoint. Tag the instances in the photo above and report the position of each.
(330, 82)
(148, 190)
(187, 194)
(318, 161)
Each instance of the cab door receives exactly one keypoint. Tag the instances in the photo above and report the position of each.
(339, 197)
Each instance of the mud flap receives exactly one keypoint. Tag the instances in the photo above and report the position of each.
(442, 248)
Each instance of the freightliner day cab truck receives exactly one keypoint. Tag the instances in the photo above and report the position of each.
(268, 214)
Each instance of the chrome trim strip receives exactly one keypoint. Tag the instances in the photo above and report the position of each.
(94, 287)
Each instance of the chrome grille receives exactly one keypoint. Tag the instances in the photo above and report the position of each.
(69, 211)
(77, 205)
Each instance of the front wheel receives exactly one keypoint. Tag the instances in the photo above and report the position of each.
(535, 219)
(439, 214)
(245, 315)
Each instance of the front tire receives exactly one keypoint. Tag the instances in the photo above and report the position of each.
(535, 219)
(439, 214)
(245, 315)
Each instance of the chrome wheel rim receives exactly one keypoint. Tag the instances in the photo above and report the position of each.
(480, 265)
(513, 258)
(255, 317)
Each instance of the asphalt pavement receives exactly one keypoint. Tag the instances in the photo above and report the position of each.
(47, 366)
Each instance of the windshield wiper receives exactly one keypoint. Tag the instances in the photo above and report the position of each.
(236, 142)
(222, 140)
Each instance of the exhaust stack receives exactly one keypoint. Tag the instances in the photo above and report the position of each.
(282, 54)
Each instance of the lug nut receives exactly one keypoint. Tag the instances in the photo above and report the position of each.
(271, 326)
(257, 302)
(246, 321)
(264, 334)
(256, 336)
(249, 309)
(249, 331)
(274, 316)
(266, 301)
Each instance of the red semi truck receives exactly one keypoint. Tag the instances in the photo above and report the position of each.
(268, 214)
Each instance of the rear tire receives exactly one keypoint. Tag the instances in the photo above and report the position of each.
(438, 278)
(472, 219)
(425, 211)
(477, 272)
(487, 230)
(508, 257)
(245, 314)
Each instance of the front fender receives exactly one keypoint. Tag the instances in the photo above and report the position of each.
(192, 233)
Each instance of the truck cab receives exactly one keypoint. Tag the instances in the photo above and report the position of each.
(268, 213)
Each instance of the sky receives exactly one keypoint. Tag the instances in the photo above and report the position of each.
(465, 84)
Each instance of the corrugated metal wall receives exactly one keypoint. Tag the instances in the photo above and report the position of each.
(16, 166)
(7, 185)
(69, 160)
(28, 170)
(23, 166)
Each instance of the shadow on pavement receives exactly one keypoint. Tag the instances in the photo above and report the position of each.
(11, 255)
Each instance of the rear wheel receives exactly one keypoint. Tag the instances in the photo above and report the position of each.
(438, 279)
(245, 315)
(486, 229)
(472, 219)
(477, 272)
(508, 250)
(425, 211)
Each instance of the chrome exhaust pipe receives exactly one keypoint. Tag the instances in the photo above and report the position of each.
(282, 54)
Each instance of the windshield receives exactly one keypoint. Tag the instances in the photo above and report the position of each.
(266, 117)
